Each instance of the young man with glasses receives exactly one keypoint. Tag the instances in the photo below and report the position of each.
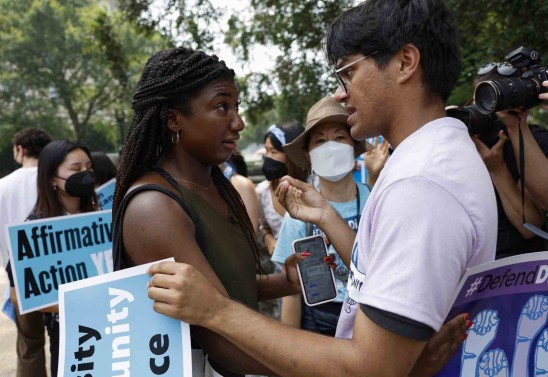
(433, 212)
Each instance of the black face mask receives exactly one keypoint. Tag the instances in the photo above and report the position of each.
(81, 184)
(273, 169)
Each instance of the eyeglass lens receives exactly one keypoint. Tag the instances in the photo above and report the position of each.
(340, 80)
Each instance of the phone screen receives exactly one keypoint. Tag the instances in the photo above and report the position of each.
(317, 278)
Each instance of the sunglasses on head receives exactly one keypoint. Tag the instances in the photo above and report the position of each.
(503, 69)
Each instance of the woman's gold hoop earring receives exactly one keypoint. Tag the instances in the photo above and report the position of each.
(175, 137)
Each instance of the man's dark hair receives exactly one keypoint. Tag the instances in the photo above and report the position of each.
(387, 26)
(33, 140)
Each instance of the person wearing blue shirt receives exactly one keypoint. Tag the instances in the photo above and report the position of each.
(327, 149)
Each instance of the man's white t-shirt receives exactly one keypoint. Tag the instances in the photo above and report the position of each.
(431, 215)
(17, 198)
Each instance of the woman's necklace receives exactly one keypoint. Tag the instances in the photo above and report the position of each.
(205, 188)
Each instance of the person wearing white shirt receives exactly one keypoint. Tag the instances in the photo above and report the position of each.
(17, 197)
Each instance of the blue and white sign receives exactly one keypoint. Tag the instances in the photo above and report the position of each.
(508, 305)
(105, 193)
(108, 327)
(47, 253)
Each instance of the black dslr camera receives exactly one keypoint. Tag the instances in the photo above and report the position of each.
(486, 126)
(504, 94)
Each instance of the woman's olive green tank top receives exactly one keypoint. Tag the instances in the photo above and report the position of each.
(226, 248)
(222, 241)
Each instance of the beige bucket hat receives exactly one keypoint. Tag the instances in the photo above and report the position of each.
(326, 110)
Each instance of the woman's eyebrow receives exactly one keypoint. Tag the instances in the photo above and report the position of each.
(221, 94)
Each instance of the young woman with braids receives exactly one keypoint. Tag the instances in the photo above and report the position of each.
(172, 200)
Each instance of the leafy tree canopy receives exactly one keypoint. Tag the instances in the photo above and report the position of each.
(489, 30)
(68, 67)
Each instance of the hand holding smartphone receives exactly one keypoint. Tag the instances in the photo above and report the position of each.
(317, 279)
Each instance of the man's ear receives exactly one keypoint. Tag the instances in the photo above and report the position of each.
(20, 151)
(409, 61)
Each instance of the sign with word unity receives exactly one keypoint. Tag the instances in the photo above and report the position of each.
(108, 327)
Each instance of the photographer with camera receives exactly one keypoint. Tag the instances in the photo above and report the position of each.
(490, 135)
(536, 161)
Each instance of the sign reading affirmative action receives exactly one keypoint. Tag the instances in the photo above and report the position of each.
(47, 253)
(108, 327)
(508, 304)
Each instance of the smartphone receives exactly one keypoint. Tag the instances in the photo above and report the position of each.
(317, 279)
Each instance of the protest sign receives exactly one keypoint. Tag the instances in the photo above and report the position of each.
(108, 327)
(508, 304)
(105, 193)
(47, 253)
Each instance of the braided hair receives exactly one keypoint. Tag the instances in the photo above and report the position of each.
(171, 79)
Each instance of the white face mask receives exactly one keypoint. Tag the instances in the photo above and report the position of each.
(332, 160)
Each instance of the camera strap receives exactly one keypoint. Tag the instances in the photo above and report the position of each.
(530, 227)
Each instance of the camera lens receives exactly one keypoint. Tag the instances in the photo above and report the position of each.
(506, 94)
(486, 97)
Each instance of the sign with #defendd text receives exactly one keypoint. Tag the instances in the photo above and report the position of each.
(507, 301)
(108, 327)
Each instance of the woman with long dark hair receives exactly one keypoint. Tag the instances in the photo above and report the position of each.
(171, 198)
(65, 181)
(65, 187)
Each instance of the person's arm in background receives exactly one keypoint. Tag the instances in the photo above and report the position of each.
(536, 163)
(375, 160)
(264, 229)
(291, 230)
(509, 192)
(268, 239)
(291, 310)
(246, 189)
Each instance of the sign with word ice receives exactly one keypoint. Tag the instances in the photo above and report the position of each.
(47, 253)
(508, 304)
(108, 327)
(105, 193)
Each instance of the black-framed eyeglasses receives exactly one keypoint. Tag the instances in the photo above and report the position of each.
(337, 72)
(503, 69)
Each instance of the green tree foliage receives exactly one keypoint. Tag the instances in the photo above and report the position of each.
(187, 21)
(68, 66)
(294, 28)
(489, 30)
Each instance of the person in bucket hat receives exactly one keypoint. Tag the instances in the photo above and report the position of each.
(326, 110)
(326, 148)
